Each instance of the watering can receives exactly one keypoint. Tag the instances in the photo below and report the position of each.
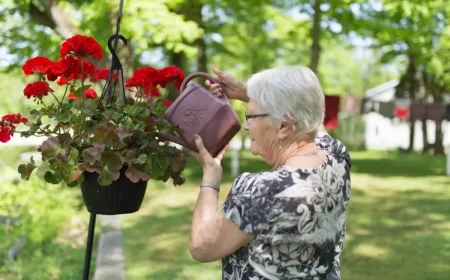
(198, 111)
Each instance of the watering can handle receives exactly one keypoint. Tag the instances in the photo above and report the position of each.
(204, 75)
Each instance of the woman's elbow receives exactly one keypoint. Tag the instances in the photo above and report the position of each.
(201, 253)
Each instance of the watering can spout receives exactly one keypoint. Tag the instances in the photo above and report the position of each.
(172, 138)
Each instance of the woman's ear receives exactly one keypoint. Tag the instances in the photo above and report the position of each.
(286, 129)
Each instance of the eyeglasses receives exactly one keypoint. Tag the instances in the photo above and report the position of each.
(247, 116)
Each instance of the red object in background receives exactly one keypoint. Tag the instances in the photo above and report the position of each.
(401, 113)
(401, 108)
(331, 120)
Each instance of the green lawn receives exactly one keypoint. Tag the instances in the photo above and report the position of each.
(398, 224)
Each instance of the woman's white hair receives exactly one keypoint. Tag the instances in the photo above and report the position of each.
(289, 91)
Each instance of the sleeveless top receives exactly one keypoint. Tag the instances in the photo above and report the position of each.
(296, 217)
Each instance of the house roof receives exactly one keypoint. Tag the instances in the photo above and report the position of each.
(372, 92)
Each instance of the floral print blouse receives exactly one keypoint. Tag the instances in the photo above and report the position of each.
(296, 218)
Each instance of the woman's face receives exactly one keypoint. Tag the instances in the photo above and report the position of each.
(263, 133)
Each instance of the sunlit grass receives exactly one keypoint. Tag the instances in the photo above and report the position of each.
(398, 224)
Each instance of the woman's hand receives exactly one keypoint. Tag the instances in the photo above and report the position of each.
(234, 89)
(212, 168)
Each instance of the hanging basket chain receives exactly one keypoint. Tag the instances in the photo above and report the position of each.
(109, 89)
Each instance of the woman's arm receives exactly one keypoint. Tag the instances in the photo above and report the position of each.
(212, 236)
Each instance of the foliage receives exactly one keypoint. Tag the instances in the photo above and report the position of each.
(40, 214)
(103, 135)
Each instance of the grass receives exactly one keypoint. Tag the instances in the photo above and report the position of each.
(398, 224)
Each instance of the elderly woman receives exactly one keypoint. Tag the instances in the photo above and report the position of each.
(287, 223)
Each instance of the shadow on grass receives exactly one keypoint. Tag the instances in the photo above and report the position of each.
(403, 237)
(247, 163)
(383, 164)
(159, 245)
(395, 164)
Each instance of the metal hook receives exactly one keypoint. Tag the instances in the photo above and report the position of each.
(115, 59)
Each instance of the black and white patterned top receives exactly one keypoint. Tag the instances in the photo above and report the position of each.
(296, 218)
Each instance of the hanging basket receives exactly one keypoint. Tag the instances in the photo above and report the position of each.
(120, 197)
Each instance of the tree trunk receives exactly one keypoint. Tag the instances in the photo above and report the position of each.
(439, 136)
(412, 71)
(178, 59)
(202, 61)
(315, 34)
(426, 145)
(426, 89)
(195, 14)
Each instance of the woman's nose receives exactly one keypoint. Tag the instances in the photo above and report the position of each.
(245, 126)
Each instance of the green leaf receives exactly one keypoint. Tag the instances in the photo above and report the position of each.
(105, 134)
(171, 92)
(92, 155)
(25, 170)
(122, 133)
(141, 159)
(111, 160)
(50, 148)
(112, 115)
(157, 171)
(150, 103)
(178, 164)
(135, 175)
(42, 169)
(89, 127)
(89, 107)
(178, 180)
(53, 177)
(130, 156)
(80, 91)
(73, 175)
(64, 117)
(73, 156)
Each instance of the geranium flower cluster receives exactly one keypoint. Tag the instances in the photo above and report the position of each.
(73, 67)
(8, 125)
(147, 79)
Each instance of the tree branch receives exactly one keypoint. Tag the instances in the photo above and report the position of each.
(52, 17)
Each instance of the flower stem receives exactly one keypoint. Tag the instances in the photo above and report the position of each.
(82, 81)
(65, 92)
(44, 104)
(56, 100)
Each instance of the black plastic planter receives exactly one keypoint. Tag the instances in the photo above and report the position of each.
(121, 197)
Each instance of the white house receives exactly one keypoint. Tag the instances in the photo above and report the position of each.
(384, 133)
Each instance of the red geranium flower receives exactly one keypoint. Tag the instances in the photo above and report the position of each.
(8, 125)
(37, 64)
(37, 89)
(72, 96)
(63, 67)
(102, 74)
(143, 78)
(84, 69)
(90, 94)
(81, 46)
(62, 81)
(71, 68)
(5, 134)
(14, 118)
(170, 74)
(153, 92)
(167, 102)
